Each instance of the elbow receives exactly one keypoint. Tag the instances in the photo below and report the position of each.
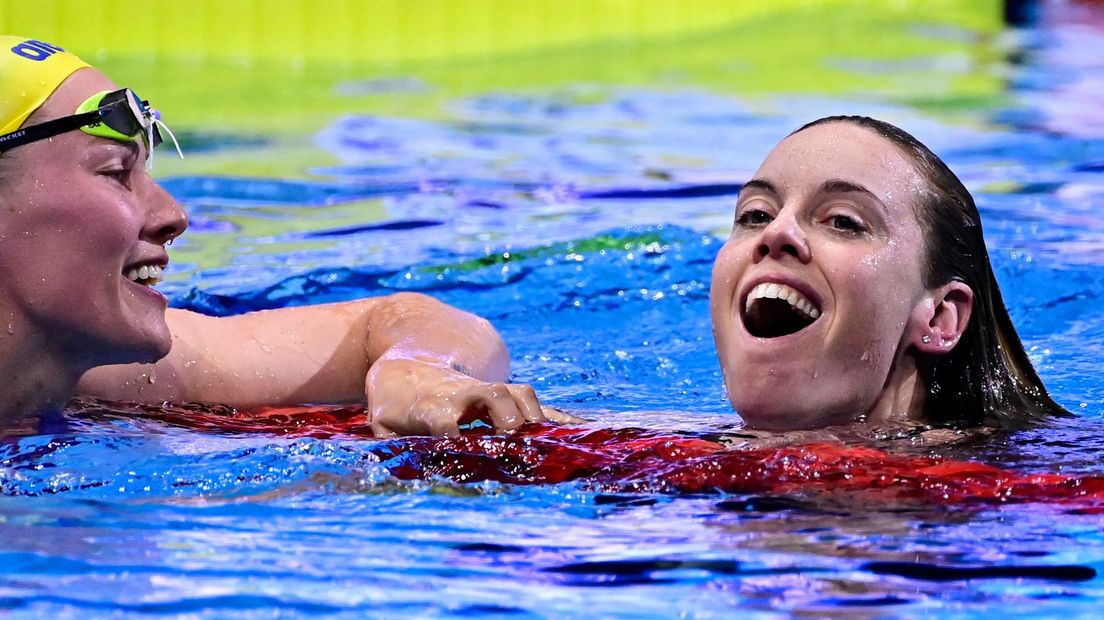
(405, 307)
(469, 339)
(408, 299)
(421, 311)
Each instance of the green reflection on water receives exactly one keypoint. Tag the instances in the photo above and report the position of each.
(255, 94)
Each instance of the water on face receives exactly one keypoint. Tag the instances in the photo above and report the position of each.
(582, 219)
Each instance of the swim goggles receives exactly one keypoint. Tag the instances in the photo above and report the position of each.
(117, 114)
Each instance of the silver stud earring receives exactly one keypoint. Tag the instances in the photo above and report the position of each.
(926, 339)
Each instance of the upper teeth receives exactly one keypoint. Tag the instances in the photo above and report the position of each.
(770, 290)
(152, 273)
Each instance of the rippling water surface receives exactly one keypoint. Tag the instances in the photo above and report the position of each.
(582, 219)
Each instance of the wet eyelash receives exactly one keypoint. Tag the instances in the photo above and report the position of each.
(744, 218)
(119, 175)
(852, 225)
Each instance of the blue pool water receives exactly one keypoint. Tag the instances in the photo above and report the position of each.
(582, 220)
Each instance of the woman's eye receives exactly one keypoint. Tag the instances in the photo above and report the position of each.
(118, 174)
(753, 217)
(846, 223)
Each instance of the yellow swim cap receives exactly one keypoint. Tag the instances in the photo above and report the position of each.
(30, 71)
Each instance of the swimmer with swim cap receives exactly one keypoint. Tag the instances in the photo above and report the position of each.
(34, 69)
(83, 230)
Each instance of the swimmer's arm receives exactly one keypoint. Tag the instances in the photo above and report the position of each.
(308, 354)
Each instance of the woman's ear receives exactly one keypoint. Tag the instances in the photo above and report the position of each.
(939, 323)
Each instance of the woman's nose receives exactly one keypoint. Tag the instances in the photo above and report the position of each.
(783, 236)
(165, 218)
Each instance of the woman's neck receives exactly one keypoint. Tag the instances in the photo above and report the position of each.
(38, 374)
(904, 396)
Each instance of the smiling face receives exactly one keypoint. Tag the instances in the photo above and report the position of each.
(818, 294)
(82, 234)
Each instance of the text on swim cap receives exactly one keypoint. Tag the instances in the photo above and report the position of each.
(35, 50)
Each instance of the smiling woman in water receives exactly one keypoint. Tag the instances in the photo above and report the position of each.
(83, 230)
(856, 286)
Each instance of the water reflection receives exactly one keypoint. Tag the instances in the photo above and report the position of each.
(536, 206)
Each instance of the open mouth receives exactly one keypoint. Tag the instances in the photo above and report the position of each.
(146, 275)
(772, 310)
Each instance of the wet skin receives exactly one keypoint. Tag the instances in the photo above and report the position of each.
(78, 212)
(830, 214)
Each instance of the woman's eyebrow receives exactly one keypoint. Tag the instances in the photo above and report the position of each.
(839, 186)
(761, 184)
(112, 146)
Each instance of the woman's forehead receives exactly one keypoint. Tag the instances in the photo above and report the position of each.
(79, 86)
(72, 146)
(843, 151)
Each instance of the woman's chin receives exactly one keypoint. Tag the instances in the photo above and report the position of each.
(145, 347)
(154, 353)
(785, 417)
(155, 348)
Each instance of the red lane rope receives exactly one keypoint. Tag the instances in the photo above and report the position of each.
(636, 460)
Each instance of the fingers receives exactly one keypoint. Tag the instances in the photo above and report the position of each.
(436, 417)
(408, 397)
(531, 408)
(525, 398)
(495, 401)
(507, 414)
(439, 422)
(561, 417)
(381, 431)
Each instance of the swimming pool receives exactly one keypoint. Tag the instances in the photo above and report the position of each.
(581, 216)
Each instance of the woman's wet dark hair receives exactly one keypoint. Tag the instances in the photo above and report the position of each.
(987, 378)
